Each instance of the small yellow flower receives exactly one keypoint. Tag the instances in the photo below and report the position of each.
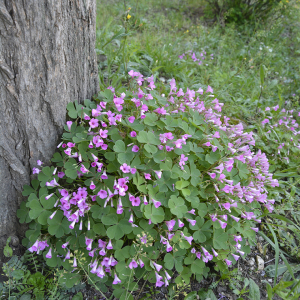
(129, 8)
(128, 16)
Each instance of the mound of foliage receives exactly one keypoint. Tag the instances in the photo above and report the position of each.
(146, 184)
(242, 11)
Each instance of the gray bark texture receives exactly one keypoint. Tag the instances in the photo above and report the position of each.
(47, 59)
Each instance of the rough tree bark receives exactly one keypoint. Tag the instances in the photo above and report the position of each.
(47, 59)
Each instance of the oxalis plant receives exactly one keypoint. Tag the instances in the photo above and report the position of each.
(145, 185)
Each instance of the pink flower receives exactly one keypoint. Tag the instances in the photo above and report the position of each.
(60, 174)
(223, 224)
(147, 176)
(35, 171)
(109, 245)
(189, 239)
(228, 262)
(49, 254)
(193, 222)
(64, 245)
(158, 173)
(156, 203)
(236, 257)
(125, 168)
(74, 262)
(157, 266)
(180, 224)
(170, 224)
(212, 175)
(169, 247)
(159, 283)
(209, 90)
(216, 135)
(135, 148)
(103, 133)
(141, 263)
(214, 148)
(102, 194)
(133, 171)
(214, 252)
(133, 264)
(136, 201)
(116, 279)
(94, 123)
(237, 238)
(39, 163)
(131, 119)
(48, 197)
(226, 205)
(133, 134)
(69, 124)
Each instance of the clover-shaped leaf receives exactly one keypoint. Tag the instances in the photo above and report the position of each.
(177, 206)
(156, 215)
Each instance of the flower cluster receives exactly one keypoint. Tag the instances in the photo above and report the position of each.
(192, 55)
(282, 128)
(169, 173)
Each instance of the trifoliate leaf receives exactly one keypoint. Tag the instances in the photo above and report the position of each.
(177, 206)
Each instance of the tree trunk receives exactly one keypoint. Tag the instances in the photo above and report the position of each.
(47, 59)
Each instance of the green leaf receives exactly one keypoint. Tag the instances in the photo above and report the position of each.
(153, 139)
(150, 148)
(110, 219)
(175, 259)
(23, 213)
(119, 146)
(125, 157)
(220, 239)
(177, 206)
(27, 190)
(202, 209)
(111, 156)
(159, 156)
(59, 225)
(212, 157)
(150, 119)
(156, 215)
(270, 270)
(57, 157)
(7, 251)
(71, 173)
(197, 266)
(142, 137)
(191, 296)
(181, 184)
(78, 296)
(118, 230)
(204, 232)
(18, 274)
(99, 229)
(71, 110)
(254, 293)
(243, 170)
(36, 209)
